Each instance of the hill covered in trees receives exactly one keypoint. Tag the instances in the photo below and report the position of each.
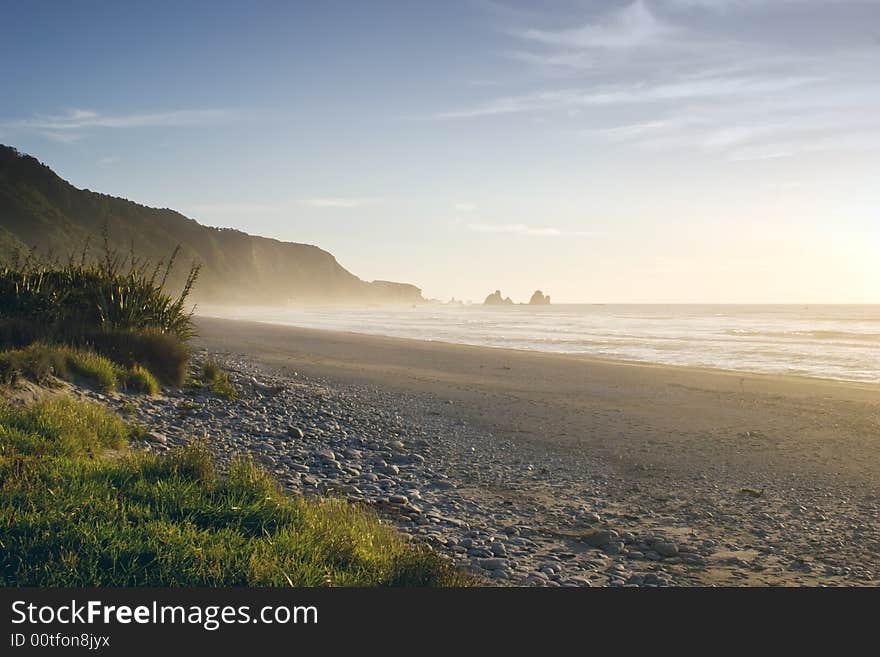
(39, 210)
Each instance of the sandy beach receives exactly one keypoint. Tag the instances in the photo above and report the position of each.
(778, 476)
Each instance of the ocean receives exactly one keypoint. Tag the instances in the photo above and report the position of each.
(825, 341)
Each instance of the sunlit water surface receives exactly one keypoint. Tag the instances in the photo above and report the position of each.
(837, 342)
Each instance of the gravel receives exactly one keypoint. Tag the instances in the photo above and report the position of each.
(516, 513)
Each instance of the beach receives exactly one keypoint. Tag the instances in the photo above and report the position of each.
(775, 477)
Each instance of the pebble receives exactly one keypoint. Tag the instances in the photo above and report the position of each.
(470, 494)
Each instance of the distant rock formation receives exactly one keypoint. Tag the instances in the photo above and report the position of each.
(495, 299)
(539, 299)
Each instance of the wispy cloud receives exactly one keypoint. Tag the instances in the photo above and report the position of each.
(630, 27)
(771, 130)
(638, 93)
(71, 125)
(734, 79)
(524, 229)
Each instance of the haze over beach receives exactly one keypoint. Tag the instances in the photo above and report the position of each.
(832, 342)
(580, 294)
(643, 151)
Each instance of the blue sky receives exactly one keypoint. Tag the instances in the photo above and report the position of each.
(648, 150)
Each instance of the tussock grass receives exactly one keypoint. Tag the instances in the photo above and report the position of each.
(68, 518)
(217, 379)
(81, 298)
(164, 355)
(139, 379)
(39, 362)
(116, 306)
(90, 366)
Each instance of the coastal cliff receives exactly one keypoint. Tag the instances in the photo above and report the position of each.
(40, 210)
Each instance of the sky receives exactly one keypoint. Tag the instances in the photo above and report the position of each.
(602, 151)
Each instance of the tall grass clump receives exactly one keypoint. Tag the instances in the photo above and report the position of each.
(140, 379)
(69, 518)
(117, 306)
(217, 379)
(40, 362)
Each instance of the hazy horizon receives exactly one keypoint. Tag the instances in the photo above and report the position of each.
(835, 342)
(647, 151)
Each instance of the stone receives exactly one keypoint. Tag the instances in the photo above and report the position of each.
(480, 553)
(156, 437)
(666, 548)
(600, 538)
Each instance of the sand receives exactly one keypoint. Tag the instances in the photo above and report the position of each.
(628, 414)
(684, 434)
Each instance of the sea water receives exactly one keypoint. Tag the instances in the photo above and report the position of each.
(827, 341)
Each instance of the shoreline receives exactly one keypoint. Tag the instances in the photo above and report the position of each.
(582, 357)
(756, 480)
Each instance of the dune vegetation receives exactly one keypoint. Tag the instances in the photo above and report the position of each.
(116, 306)
(80, 507)
(72, 516)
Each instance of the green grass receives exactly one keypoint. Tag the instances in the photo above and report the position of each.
(164, 355)
(90, 366)
(79, 299)
(139, 379)
(117, 307)
(71, 518)
(62, 427)
(217, 379)
(39, 362)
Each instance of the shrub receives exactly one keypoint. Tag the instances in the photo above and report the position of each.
(210, 371)
(16, 332)
(76, 300)
(123, 313)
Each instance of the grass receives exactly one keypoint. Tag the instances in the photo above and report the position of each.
(71, 518)
(164, 355)
(39, 362)
(83, 298)
(217, 379)
(117, 307)
(139, 379)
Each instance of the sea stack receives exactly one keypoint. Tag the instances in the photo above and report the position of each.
(539, 299)
(495, 299)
